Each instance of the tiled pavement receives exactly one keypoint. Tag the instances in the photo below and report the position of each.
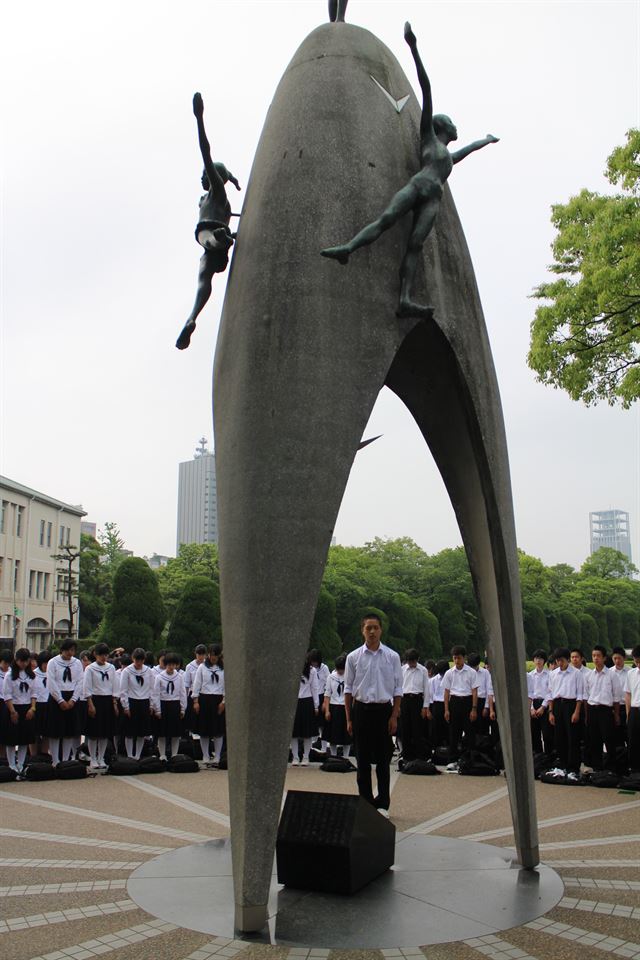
(47, 915)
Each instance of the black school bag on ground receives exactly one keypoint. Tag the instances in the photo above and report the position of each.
(182, 764)
(7, 775)
(152, 765)
(420, 768)
(71, 770)
(124, 767)
(473, 763)
(40, 771)
(604, 778)
(338, 765)
(632, 782)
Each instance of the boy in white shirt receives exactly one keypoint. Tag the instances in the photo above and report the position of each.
(460, 685)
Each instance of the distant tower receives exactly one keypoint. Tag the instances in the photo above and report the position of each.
(610, 528)
(198, 498)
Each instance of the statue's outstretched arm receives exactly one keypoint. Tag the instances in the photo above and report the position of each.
(215, 180)
(463, 152)
(426, 123)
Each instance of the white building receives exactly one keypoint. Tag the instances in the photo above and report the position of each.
(197, 499)
(33, 601)
(610, 528)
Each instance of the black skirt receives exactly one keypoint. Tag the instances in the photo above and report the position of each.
(336, 728)
(103, 725)
(169, 724)
(210, 722)
(20, 733)
(41, 718)
(305, 724)
(63, 723)
(139, 723)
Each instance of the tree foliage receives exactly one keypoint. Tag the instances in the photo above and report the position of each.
(607, 563)
(585, 337)
(193, 560)
(196, 618)
(112, 544)
(94, 590)
(135, 615)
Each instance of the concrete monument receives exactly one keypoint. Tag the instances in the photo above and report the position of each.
(303, 351)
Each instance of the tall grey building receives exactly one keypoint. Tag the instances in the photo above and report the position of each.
(610, 528)
(198, 498)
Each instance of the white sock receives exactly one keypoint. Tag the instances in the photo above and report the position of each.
(306, 747)
(294, 748)
(162, 747)
(346, 749)
(217, 748)
(204, 745)
(139, 745)
(334, 750)
(92, 744)
(175, 745)
(67, 747)
(54, 749)
(101, 749)
(22, 755)
(128, 742)
(325, 746)
(11, 757)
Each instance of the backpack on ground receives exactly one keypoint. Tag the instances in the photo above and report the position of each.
(152, 765)
(420, 768)
(337, 765)
(604, 778)
(473, 763)
(71, 770)
(7, 775)
(180, 763)
(40, 771)
(124, 767)
(631, 782)
(442, 755)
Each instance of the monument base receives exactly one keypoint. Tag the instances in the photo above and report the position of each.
(439, 890)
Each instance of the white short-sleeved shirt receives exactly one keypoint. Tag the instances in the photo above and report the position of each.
(632, 686)
(373, 676)
(462, 682)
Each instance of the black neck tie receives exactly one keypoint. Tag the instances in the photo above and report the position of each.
(24, 686)
(340, 687)
(66, 675)
(214, 676)
(170, 686)
(104, 674)
(140, 680)
(44, 682)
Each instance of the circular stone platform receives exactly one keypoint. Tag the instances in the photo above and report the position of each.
(439, 890)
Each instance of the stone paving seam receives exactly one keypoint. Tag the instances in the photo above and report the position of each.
(64, 916)
(497, 949)
(228, 949)
(112, 819)
(594, 842)
(591, 883)
(31, 862)
(444, 819)
(85, 841)
(597, 906)
(556, 821)
(560, 864)
(589, 938)
(220, 818)
(81, 886)
(110, 942)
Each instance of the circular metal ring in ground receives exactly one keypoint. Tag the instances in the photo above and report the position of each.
(439, 890)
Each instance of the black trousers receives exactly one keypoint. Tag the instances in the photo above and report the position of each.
(541, 730)
(633, 738)
(373, 745)
(460, 725)
(601, 730)
(413, 729)
(438, 732)
(567, 735)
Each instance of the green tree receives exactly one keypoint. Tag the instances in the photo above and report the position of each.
(536, 630)
(557, 633)
(112, 544)
(196, 618)
(94, 589)
(607, 564)
(324, 631)
(403, 622)
(451, 620)
(135, 615)
(427, 640)
(571, 625)
(193, 560)
(629, 624)
(596, 610)
(585, 337)
(614, 625)
(589, 632)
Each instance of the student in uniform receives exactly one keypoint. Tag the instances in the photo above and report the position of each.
(100, 689)
(19, 691)
(439, 734)
(414, 708)
(5, 665)
(620, 669)
(538, 693)
(323, 672)
(334, 712)
(602, 711)
(460, 685)
(199, 655)
(632, 705)
(566, 694)
(169, 702)
(42, 696)
(136, 688)
(305, 723)
(64, 683)
(207, 695)
(482, 722)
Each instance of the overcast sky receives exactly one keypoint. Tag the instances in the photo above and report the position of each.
(99, 192)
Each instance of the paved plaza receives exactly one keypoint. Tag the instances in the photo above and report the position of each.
(69, 848)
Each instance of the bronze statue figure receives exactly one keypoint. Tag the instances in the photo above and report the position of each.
(212, 231)
(337, 10)
(421, 195)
